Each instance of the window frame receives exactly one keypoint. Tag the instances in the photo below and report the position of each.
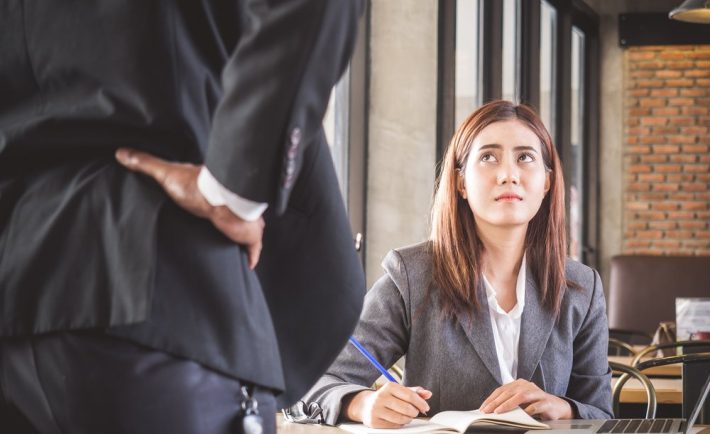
(358, 127)
(569, 13)
(348, 114)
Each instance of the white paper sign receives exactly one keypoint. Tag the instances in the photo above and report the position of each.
(691, 315)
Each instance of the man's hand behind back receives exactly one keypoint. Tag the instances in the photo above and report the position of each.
(179, 180)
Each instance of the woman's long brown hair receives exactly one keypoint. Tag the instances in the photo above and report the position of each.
(456, 246)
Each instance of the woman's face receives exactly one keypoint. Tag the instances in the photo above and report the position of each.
(505, 179)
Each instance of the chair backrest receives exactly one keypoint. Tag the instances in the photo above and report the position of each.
(642, 289)
(696, 369)
(621, 342)
(631, 372)
(682, 347)
(618, 347)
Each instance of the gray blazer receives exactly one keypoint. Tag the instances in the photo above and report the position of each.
(456, 358)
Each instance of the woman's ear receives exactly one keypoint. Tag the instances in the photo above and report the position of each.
(460, 184)
(547, 181)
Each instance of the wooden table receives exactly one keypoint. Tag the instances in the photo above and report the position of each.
(668, 391)
(283, 427)
(657, 371)
(669, 388)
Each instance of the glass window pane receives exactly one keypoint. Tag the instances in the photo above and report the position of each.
(511, 49)
(335, 125)
(548, 51)
(575, 183)
(467, 87)
(329, 120)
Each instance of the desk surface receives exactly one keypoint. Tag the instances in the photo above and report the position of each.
(283, 427)
(668, 391)
(664, 371)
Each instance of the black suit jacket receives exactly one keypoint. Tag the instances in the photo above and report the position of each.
(239, 85)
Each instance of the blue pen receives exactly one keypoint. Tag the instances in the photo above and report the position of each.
(372, 360)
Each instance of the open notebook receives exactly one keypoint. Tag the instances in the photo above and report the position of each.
(455, 422)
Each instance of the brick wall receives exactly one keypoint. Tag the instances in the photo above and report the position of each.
(667, 150)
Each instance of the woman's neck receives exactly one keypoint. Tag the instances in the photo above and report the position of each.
(503, 250)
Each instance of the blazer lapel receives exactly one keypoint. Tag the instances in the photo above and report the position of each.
(480, 334)
(535, 327)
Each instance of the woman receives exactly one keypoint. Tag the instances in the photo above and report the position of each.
(489, 313)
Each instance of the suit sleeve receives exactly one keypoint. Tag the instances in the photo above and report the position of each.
(589, 387)
(276, 87)
(383, 329)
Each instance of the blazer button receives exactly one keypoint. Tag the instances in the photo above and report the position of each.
(295, 137)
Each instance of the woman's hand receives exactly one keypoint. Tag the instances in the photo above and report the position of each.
(391, 406)
(532, 399)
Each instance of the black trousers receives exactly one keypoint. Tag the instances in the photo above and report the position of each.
(90, 383)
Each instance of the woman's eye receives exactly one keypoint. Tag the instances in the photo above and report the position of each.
(526, 158)
(487, 157)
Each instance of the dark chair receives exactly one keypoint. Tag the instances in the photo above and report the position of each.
(621, 342)
(632, 337)
(628, 372)
(620, 348)
(686, 347)
(696, 369)
(397, 371)
(642, 289)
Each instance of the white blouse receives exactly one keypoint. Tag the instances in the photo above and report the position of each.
(506, 326)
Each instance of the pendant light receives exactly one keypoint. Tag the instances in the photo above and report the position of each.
(692, 11)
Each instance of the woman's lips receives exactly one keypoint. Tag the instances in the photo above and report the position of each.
(508, 197)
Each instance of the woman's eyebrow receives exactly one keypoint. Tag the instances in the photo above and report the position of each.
(490, 146)
(526, 148)
(517, 148)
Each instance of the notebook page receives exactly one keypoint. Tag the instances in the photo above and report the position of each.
(460, 420)
(416, 426)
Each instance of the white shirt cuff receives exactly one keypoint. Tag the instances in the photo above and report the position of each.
(217, 195)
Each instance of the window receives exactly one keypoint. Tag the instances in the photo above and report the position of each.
(511, 50)
(335, 124)
(467, 86)
(539, 52)
(548, 64)
(575, 183)
(345, 129)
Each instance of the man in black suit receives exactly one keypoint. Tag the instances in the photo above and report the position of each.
(122, 310)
